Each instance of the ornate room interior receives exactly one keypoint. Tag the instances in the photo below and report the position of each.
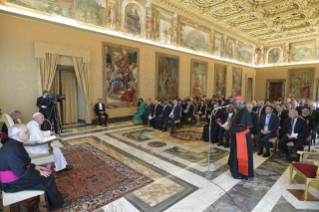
(118, 51)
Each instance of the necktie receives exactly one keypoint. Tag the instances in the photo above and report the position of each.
(187, 107)
(266, 122)
(292, 126)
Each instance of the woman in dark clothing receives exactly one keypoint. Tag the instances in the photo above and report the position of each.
(217, 117)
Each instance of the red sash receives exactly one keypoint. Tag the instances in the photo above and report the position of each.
(242, 152)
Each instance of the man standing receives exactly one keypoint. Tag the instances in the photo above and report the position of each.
(174, 115)
(99, 110)
(155, 114)
(188, 112)
(39, 136)
(44, 105)
(241, 150)
(16, 162)
(315, 114)
(227, 120)
(295, 129)
(267, 127)
(310, 119)
(15, 115)
(149, 109)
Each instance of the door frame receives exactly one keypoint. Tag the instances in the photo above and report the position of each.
(283, 87)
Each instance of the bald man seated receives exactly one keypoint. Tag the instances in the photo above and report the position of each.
(17, 173)
(40, 136)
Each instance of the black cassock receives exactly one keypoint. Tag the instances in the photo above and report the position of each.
(240, 122)
(14, 157)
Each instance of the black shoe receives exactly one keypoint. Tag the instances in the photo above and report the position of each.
(219, 144)
(66, 203)
(260, 152)
(266, 155)
(64, 195)
(226, 146)
(241, 177)
(68, 168)
(164, 130)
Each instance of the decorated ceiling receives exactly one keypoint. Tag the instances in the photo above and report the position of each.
(255, 32)
(263, 21)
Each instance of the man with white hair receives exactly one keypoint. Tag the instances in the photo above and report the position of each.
(17, 173)
(15, 115)
(40, 136)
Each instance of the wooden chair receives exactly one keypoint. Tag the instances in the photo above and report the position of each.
(192, 120)
(178, 121)
(310, 172)
(275, 141)
(203, 116)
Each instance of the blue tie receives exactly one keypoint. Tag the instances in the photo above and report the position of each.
(292, 125)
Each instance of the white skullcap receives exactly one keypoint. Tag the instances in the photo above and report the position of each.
(36, 114)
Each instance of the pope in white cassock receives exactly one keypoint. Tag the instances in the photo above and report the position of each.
(39, 136)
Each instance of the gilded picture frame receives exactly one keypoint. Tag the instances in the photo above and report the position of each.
(196, 27)
(292, 51)
(198, 78)
(301, 83)
(167, 76)
(126, 65)
(220, 79)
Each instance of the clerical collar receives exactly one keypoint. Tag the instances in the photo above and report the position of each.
(304, 115)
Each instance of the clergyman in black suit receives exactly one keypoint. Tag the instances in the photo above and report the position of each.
(267, 128)
(297, 127)
(188, 112)
(100, 111)
(155, 114)
(43, 103)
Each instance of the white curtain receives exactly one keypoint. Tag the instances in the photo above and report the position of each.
(82, 75)
(46, 69)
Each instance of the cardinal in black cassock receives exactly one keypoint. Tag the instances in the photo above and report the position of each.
(17, 173)
(241, 150)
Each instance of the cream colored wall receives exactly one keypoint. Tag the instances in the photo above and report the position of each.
(264, 74)
(18, 67)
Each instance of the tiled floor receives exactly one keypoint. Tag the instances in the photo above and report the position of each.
(179, 167)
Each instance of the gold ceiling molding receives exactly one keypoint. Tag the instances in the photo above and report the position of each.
(262, 22)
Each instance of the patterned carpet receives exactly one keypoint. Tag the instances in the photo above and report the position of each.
(96, 179)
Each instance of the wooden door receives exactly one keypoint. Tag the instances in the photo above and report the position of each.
(275, 91)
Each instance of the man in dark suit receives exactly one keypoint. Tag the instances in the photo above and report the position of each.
(254, 118)
(175, 114)
(155, 114)
(226, 121)
(282, 115)
(259, 109)
(295, 129)
(310, 119)
(44, 105)
(100, 111)
(267, 128)
(295, 105)
(149, 109)
(188, 112)
(165, 110)
(315, 115)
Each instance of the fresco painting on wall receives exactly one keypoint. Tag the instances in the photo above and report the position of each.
(220, 79)
(120, 75)
(302, 51)
(167, 76)
(218, 47)
(273, 56)
(245, 54)
(193, 37)
(230, 50)
(87, 11)
(237, 80)
(198, 78)
(300, 83)
(133, 19)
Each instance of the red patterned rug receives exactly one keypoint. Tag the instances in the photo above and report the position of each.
(96, 179)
